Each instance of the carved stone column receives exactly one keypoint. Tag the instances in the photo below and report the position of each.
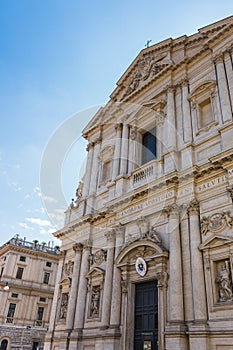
(116, 292)
(56, 291)
(82, 288)
(78, 247)
(132, 149)
(107, 295)
(229, 72)
(86, 185)
(176, 311)
(186, 113)
(95, 167)
(186, 265)
(171, 123)
(198, 281)
(223, 89)
(124, 149)
(117, 152)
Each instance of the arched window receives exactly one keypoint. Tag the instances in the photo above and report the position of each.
(4, 344)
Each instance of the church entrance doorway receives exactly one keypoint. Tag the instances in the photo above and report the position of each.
(146, 316)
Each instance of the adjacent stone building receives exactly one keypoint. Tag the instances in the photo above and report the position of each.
(147, 247)
(27, 278)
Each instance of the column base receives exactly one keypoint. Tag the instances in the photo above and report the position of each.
(176, 337)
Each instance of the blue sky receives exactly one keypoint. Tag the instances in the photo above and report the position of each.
(60, 59)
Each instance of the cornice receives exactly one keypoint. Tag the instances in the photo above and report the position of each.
(28, 251)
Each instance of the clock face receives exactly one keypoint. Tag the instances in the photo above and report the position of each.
(140, 266)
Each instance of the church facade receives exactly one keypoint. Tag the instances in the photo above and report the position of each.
(147, 247)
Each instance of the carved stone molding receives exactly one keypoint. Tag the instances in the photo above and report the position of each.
(87, 245)
(171, 210)
(216, 222)
(133, 132)
(162, 278)
(193, 207)
(143, 226)
(124, 286)
(218, 58)
(230, 190)
(78, 247)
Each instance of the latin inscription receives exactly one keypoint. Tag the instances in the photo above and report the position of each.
(212, 183)
(145, 204)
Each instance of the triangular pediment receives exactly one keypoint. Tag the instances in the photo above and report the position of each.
(216, 241)
(154, 61)
(95, 272)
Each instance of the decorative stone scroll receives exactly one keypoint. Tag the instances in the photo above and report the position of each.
(216, 222)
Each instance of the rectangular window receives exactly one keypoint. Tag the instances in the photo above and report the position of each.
(46, 277)
(43, 300)
(19, 274)
(22, 258)
(148, 146)
(48, 264)
(2, 269)
(14, 295)
(11, 312)
(40, 313)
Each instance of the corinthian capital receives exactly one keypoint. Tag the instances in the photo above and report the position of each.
(193, 207)
(78, 247)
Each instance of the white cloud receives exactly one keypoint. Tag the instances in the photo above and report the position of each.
(47, 199)
(38, 221)
(14, 185)
(25, 225)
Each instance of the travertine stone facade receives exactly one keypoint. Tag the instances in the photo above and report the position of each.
(154, 209)
(29, 269)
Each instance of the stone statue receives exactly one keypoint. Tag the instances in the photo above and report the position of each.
(64, 304)
(224, 282)
(95, 302)
(79, 191)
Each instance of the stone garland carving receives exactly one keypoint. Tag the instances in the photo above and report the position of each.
(216, 222)
(95, 301)
(63, 307)
(224, 282)
(68, 268)
(99, 257)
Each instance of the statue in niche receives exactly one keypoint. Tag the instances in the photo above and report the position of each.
(95, 301)
(68, 268)
(64, 305)
(224, 282)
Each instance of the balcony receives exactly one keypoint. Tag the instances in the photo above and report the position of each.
(144, 174)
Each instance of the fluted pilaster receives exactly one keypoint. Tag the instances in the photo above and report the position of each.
(198, 281)
(78, 247)
(223, 89)
(124, 149)
(82, 288)
(88, 172)
(107, 296)
(117, 152)
(171, 123)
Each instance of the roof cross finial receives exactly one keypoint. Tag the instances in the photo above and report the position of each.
(148, 43)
